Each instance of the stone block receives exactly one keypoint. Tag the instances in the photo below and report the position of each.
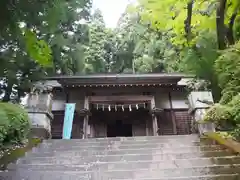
(206, 127)
(41, 124)
(196, 99)
(39, 103)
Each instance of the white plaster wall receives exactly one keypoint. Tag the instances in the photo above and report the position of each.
(179, 100)
(58, 105)
(162, 100)
(59, 100)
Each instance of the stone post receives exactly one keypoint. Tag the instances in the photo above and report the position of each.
(199, 102)
(39, 107)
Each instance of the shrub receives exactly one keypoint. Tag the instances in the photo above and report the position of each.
(236, 133)
(235, 108)
(226, 115)
(14, 124)
(218, 114)
(227, 69)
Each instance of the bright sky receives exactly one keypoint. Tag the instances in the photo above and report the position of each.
(111, 9)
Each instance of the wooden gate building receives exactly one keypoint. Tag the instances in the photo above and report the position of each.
(121, 105)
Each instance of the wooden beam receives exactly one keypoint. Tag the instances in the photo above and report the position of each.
(101, 99)
(172, 114)
(85, 122)
(155, 126)
(147, 127)
(154, 118)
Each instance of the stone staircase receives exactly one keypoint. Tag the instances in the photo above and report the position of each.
(139, 158)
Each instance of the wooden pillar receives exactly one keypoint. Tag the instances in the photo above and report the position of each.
(155, 126)
(86, 118)
(154, 119)
(147, 125)
(173, 117)
(92, 133)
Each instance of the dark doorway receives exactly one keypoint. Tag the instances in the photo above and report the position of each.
(119, 129)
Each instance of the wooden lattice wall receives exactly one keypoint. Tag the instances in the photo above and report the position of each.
(182, 120)
(57, 126)
(165, 124)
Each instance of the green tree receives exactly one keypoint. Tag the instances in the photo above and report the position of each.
(102, 48)
(94, 54)
(145, 49)
(187, 26)
(36, 35)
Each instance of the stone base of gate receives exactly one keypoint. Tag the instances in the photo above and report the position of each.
(40, 124)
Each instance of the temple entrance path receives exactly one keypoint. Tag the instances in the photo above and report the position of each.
(130, 158)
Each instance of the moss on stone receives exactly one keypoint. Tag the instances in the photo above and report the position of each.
(12, 153)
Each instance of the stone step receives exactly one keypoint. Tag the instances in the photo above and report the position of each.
(126, 174)
(173, 154)
(129, 157)
(41, 175)
(171, 142)
(126, 139)
(136, 158)
(133, 138)
(69, 165)
(136, 140)
(112, 160)
(164, 146)
(89, 151)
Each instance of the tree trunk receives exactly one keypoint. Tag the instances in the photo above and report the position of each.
(221, 30)
(230, 36)
(188, 21)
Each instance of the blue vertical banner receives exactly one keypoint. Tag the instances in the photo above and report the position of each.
(68, 121)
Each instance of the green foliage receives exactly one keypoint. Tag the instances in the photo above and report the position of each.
(200, 58)
(38, 39)
(198, 29)
(96, 52)
(226, 115)
(235, 108)
(14, 124)
(174, 15)
(13, 153)
(236, 133)
(218, 114)
(235, 112)
(18, 14)
(195, 27)
(227, 96)
(143, 49)
(228, 69)
(38, 49)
